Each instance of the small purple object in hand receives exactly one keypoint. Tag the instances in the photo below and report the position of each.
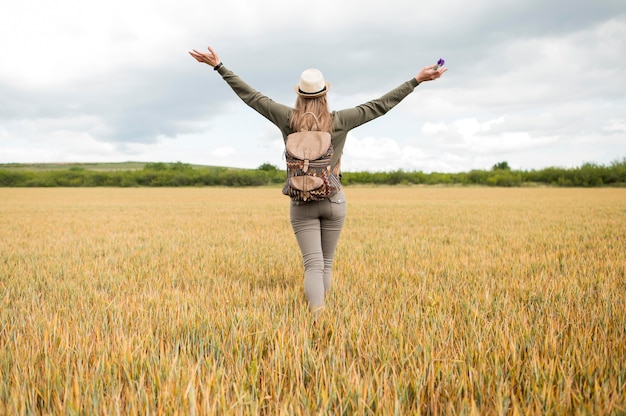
(440, 63)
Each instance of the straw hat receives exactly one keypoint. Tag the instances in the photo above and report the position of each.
(312, 84)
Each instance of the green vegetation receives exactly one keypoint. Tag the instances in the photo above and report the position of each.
(148, 174)
(132, 174)
(587, 175)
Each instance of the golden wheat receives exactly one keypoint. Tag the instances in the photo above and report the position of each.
(189, 301)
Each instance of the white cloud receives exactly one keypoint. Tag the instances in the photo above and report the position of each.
(381, 154)
(56, 43)
(223, 152)
(616, 126)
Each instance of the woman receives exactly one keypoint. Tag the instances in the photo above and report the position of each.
(317, 224)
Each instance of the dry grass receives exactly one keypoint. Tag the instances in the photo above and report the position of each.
(189, 301)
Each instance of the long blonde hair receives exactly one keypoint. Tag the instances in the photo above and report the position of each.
(318, 106)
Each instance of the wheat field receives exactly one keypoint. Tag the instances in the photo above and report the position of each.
(190, 301)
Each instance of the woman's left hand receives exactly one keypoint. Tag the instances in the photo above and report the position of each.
(209, 58)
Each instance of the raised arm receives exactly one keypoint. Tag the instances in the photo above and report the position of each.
(354, 117)
(277, 113)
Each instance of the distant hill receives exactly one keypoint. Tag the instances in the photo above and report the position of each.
(101, 167)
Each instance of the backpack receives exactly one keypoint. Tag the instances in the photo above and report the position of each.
(309, 175)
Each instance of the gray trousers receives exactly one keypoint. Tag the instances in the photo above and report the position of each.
(317, 225)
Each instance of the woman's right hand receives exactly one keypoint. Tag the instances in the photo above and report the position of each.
(429, 73)
(209, 58)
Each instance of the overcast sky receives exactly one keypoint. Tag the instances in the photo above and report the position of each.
(536, 83)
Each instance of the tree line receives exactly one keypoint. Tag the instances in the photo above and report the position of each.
(182, 174)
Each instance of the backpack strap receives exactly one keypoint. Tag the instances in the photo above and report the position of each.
(317, 122)
(337, 168)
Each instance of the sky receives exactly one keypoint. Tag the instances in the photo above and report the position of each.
(535, 83)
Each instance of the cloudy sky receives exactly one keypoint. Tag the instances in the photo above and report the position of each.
(536, 83)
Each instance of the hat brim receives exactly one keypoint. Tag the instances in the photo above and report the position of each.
(312, 95)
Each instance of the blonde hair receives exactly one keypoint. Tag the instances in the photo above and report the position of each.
(299, 121)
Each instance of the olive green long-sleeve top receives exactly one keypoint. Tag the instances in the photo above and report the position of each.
(343, 120)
